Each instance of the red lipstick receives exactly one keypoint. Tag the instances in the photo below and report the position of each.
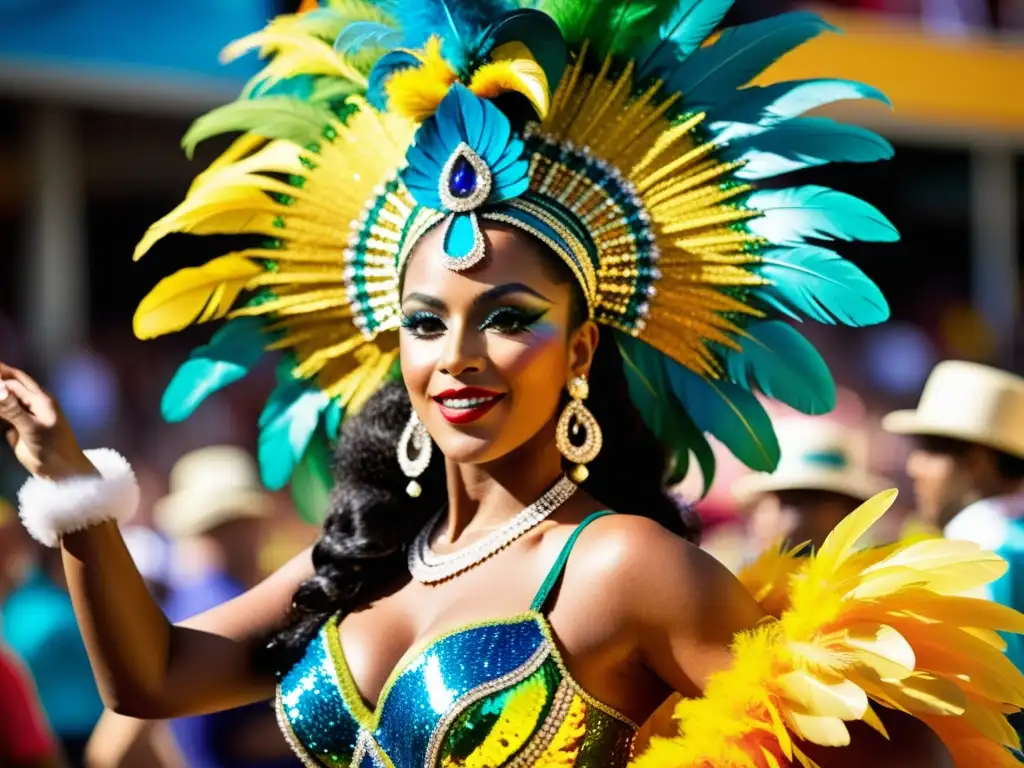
(466, 405)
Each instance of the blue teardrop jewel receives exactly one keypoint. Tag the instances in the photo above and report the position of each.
(463, 180)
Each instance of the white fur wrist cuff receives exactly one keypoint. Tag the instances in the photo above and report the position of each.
(52, 509)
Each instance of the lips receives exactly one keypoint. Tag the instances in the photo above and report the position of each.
(466, 405)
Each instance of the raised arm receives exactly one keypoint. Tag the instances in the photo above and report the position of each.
(145, 667)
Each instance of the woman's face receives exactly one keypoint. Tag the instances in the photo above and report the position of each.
(487, 353)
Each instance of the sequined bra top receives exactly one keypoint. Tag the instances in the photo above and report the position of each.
(491, 694)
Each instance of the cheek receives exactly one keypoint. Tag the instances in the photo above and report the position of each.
(419, 360)
(535, 363)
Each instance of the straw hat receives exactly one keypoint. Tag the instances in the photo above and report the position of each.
(969, 402)
(210, 487)
(816, 455)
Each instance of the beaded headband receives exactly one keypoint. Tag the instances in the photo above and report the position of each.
(613, 132)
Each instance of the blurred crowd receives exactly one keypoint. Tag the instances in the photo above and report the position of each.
(207, 529)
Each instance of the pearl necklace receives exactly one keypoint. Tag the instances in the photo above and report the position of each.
(428, 567)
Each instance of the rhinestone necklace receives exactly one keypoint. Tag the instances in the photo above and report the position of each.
(428, 567)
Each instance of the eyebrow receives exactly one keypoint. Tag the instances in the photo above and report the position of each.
(488, 296)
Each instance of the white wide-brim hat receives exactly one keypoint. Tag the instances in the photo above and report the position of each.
(210, 487)
(970, 402)
(816, 455)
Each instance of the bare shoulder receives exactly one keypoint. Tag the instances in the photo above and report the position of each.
(638, 560)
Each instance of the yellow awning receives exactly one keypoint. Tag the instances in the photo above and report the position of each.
(973, 83)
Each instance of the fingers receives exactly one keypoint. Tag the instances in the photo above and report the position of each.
(9, 372)
(15, 403)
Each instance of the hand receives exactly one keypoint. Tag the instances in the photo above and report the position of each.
(37, 430)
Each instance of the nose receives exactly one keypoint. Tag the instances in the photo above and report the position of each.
(463, 351)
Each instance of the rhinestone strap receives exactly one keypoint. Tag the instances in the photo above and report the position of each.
(429, 567)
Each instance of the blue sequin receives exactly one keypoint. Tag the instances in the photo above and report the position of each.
(312, 705)
(421, 706)
(462, 182)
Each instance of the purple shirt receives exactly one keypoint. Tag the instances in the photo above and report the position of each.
(205, 741)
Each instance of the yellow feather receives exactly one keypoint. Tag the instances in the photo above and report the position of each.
(839, 544)
(825, 695)
(191, 294)
(513, 68)
(881, 649)
(295, 52)
(416, 92)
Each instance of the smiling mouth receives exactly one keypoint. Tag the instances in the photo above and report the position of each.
(466, 405)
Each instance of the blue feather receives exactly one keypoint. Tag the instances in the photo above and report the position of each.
(461, 25)
(778, 361)
(363, 34)
(757, 107)
(287, 424)
(794, 214)
(821, 285)
(386, 66)
(730, 413)
(234, 350)
(740, 54)
(690, 25)
(804, 142)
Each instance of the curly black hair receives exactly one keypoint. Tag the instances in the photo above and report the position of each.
(361, 552)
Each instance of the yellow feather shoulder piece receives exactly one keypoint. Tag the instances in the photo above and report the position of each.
(850, 628)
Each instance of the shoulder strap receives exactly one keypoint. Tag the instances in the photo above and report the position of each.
(563, 557)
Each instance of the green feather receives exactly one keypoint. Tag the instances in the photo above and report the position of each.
(651, 393)
(730, 413)
(778, 361)
(312, 481)
(274, 117)
(611, 26)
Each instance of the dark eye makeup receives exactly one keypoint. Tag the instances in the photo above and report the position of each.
(510, 320)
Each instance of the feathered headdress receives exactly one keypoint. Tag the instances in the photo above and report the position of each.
(612, 130)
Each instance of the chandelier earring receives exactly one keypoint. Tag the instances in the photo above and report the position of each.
(574, 420)
(414, 450)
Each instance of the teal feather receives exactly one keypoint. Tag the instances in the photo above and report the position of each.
(273, 117)
(794, 214)
(233, 351)
(821, 285)
(730, 413)
(755, 108)
(804, 142)
(651, 393)
(361, 35)
(740, 54)
(684, 32)
(333, 416)
(287, 424)
(775, 359)
(312, 480)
